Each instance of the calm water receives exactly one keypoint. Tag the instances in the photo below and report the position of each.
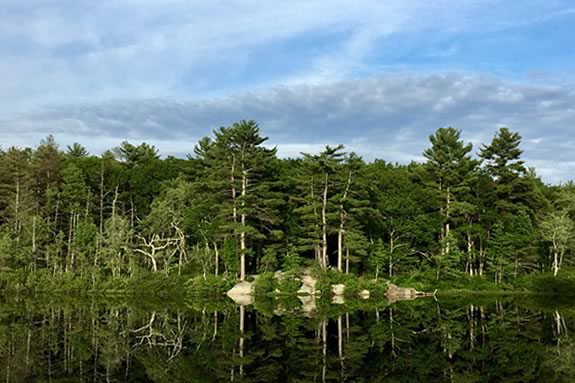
(449, 340)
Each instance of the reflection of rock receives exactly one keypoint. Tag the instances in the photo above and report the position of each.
(397, 298)
(308, 304)
(364, 294)
(395, 293)
(242, 293)
(338, 299)
(308, 285)
(338, 289)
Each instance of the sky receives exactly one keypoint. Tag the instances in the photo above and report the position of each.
(378, 76)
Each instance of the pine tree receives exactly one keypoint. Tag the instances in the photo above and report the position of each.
(75, 198)
(46, 165)
(317, 183)
(76, 151)
(449, 170)
(236, 161)
(517, 191)
(502, 156)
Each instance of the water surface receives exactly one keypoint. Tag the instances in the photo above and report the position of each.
(481, 339)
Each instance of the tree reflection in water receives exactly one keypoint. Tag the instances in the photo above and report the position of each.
(450, 340)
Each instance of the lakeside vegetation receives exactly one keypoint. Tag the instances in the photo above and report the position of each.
(131, 221)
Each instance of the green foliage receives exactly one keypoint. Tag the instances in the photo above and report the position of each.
(210, 285)
(546, 283)
(427, 281)
(289, 283)
(234, 209)
(160, 285)
(269, 261)
(115, 244)
(265, 284)
(292, 261)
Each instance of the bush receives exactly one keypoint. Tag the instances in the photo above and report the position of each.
(376, 288)
(210, 285)
(265, 284)
(289, 284)
(562, 284)
(351, 287)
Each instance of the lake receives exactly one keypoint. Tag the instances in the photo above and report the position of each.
(448, 339)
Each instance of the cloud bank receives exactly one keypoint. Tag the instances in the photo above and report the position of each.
(389, 117)
(378, 76)
(68, 51)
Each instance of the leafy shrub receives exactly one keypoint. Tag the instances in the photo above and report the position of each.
(562, 284)
(210, 285)
(265, 284)
(289, 284)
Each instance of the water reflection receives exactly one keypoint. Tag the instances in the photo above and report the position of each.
(449, 340)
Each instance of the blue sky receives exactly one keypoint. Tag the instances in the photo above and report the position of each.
(378, 76)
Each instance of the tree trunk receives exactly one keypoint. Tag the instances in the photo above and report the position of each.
(17, 210)
(391, 250)
(56, 214)
(233, 184)
(470, 253)
(69, 253)
(115, 201)
(216, 258)
(316, 249)
(342, 216)
(243, 222)
(340, 345)
(481, 257)
(324, 349)
(555, 261)
(340, 245)
(242, 340)
(132, 212)
(154, 263)
(34, 248)
(347, 258)
(101, 227)
(446, 229)
(324, 225)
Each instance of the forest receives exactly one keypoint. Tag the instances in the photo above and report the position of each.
(233, 208)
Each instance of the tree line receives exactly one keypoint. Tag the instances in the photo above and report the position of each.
(233, 208)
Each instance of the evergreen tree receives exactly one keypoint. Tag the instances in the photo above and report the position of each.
(76, 151)
(518, 193)
(318, 187)
(236, 161)
(76, 203)
(449, 170)
(45, 171)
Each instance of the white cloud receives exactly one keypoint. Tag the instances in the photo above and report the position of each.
(170, 71)
(388, 117)
(69, 51)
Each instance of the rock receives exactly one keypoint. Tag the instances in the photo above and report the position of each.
(242, 293)
(404, 292)
(308, 285)
(364, 294)
(395, 293)
(338, 289)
